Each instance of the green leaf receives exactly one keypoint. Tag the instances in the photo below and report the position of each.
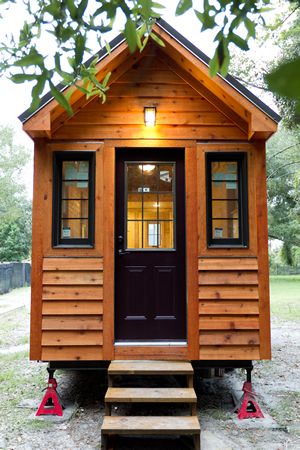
(214, 65)
(130, 34)
(207, 21)
(183, 6)
(284, 80)
(226, 60)
(107, 46)
(157, 39)
(33, 59)
(250, 27)
(79, 48)
(238, 41)
(158, 5)
(21, 77)
(106, 78)
(36, 92)
(72, 8)
(82, 8)
(60, 98)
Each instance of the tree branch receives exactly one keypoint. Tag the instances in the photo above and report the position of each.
(281, 151)
(249, 83)
(288, 16)
(284, 165)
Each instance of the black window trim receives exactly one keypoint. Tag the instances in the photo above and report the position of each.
(243, 240)
(58, 158)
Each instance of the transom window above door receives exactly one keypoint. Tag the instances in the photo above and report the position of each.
(150, 205)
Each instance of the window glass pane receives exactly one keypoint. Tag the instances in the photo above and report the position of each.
(153, 239)
(224, 170)
(225, 229)
(165, 177)
(74, 209)
(75, 189)
(225, 209)
(165, 203)
(134, 206)
(150, 207)
(75, 170)
(74, 228)
(134, 234)
(158, 234)
(150, 174)
(134, 178)
(225, 189)
(147, 209)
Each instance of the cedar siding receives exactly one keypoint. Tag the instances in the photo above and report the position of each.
(228, 314)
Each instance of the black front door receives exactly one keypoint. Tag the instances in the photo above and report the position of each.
(150, 245)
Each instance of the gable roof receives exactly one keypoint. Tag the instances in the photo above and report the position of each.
(229, 78)
(173, 39)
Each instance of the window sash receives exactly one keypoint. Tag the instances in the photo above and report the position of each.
(60, 199)
(234, 231)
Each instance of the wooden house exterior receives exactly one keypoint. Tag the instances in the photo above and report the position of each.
(151, 242)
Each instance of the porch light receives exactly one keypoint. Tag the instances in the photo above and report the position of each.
(150, 116)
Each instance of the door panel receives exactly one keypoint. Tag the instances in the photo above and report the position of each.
(150, 300)
(164, 298)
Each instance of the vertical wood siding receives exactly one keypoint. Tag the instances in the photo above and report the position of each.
(72, 309)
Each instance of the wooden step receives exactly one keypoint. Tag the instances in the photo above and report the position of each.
(150, 368)
(150, 425)
(150, 395)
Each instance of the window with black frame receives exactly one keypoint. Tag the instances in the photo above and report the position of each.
(73, 198)
(227, 202)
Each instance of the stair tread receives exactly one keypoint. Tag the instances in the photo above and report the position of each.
(150, 425)
(159, 395)
(150, 368)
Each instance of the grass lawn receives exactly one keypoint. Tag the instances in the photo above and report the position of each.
(285, 296)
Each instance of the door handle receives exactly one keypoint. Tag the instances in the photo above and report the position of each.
(122, 252)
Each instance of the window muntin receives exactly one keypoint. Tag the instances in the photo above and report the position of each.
(150, 205)
(73, 214)
(227, 210)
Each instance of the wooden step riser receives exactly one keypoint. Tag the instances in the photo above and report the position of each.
(150, 395)
(150, 425)
(150, 368)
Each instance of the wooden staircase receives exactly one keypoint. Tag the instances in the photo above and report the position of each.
(150, 425)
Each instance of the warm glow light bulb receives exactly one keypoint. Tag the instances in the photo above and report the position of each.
(150, 116)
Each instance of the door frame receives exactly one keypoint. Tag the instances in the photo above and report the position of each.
(181, 352)
(169, 332)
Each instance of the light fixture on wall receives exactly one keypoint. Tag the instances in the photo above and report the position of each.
(150, 116)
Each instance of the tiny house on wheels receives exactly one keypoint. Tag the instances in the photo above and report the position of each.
(150, 242)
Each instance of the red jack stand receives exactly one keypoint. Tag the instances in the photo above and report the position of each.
(50, 403)
(249, 408)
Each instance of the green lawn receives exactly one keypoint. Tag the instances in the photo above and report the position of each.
(285, 296)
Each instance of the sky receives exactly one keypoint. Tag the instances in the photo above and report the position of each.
(16, 98)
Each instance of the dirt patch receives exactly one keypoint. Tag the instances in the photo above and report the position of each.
(277, 384)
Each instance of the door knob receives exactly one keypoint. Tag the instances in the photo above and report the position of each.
(122, 252)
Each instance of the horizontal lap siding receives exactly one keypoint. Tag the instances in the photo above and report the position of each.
(228, 308)
(72, 309)
(182, 111)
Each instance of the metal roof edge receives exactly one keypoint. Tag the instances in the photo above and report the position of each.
(241, 89)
